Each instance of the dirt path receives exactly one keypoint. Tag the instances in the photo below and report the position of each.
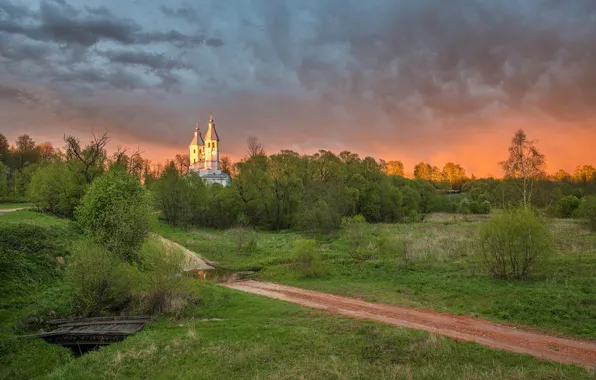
(457, 327)
(7, 210)
(194, 261)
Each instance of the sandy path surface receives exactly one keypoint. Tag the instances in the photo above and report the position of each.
(460, 328)
(7, 210)
(194, 261)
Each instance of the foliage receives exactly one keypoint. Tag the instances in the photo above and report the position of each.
(511, 243)
(56, 189)
(566, 206)
(161, 282)
(181, 199)
(355, 231)
(99, 280)
(587, 211)
(307, 258)
(115, 213)
(525, 164)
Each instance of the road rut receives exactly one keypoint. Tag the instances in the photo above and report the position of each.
(460, 328)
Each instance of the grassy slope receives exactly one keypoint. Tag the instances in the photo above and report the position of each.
(30, 295)
(442, 272)
(257, 337)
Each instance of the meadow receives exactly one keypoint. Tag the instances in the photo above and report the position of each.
(229, 334)
(438, 268)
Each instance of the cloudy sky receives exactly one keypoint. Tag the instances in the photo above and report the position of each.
(424, 80)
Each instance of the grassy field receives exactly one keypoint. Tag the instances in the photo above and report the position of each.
(441, 271)
(240, 336)
(231, 334)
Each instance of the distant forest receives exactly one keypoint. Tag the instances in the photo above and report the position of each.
(289, 190)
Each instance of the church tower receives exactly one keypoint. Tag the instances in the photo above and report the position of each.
(204, 156)
(197, 149)
(211, 146)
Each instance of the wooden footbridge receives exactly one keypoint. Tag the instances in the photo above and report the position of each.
(87, 333)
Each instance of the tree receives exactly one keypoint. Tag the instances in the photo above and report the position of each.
(226, 165)
(3, 180)
(3, 148)
(395, 168)
(55, 189)
(525, 164)
(25, 143)
(115, 213)
(89, 161)
(454, 174)
(46, 150)
(562, 175)
(423, 171)
(584, 174)
(254, 147)
(182, 162)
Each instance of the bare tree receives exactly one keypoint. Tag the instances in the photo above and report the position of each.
(525, 164)
(254, 147)
(87, 161)
(182, 162)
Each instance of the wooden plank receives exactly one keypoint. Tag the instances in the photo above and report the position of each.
(120, 322)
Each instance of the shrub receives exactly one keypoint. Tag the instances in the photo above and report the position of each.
(115, 213)
(56, 189)
(98, 279)
(307, 258)
(354, 228)
(316, 217)
(512, 242)
(161, 280)
(587, 211)
(243, 236)
(566, 206)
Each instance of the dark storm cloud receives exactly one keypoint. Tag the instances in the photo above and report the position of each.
(184, 12)
(141, 58)
(62, 23)
(429, 69)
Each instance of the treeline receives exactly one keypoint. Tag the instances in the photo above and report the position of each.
(284, 190)
(287, 190)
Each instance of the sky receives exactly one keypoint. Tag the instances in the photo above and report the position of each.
(424, 80)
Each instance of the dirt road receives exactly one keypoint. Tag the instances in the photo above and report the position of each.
(457, 327)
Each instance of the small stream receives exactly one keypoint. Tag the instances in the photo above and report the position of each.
(218, 275)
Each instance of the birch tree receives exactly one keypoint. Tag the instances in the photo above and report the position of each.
(525, 164)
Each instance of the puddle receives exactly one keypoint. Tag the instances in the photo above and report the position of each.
(218, 275)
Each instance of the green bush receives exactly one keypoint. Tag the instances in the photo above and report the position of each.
(115, 212)
(307, 258)
(587, 211)
(98, 279)
(355, 235)
(511, 243)
(566, 206)
(161, 281)
(56, 189)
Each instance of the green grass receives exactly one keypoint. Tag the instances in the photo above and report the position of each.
(441, 272)
(32, 290)
(234, 335)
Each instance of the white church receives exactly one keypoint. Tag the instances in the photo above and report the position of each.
(204, 155)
